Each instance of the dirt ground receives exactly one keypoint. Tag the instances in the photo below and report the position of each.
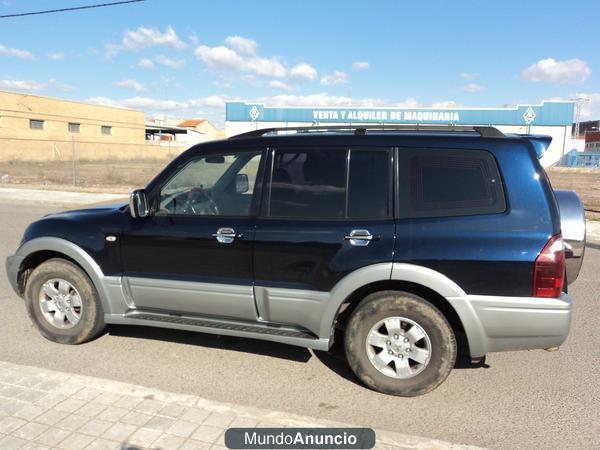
(123, 176)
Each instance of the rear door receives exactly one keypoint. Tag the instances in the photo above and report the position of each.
(326, 212)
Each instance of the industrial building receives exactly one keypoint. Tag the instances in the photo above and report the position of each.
(550, 118)
(36, 128)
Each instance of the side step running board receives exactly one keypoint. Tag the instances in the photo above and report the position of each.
(270, 332)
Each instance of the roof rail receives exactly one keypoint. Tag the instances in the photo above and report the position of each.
(483, 131)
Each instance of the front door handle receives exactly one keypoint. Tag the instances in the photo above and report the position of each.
(226, 235)
(361, 238)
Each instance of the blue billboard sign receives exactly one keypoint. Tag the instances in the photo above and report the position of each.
(545, 114)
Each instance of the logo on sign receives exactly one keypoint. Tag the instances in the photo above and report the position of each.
(254, 113)
(529, 115)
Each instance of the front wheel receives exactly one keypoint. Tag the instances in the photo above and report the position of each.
(63, 303)
(400, 344)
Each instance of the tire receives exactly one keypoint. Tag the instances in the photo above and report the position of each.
(432, 343)
(64, 290)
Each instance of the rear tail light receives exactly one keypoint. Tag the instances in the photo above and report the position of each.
(549, 269)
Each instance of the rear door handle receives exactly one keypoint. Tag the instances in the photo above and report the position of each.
(361, 238)
(226, 235)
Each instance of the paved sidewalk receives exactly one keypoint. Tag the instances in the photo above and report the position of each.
(42, 408)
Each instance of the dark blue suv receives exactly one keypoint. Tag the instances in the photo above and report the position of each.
(406, 242)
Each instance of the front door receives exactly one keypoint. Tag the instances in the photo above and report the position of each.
(194, 253)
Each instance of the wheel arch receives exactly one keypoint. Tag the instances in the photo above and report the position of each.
(427, 283)
(39, 250)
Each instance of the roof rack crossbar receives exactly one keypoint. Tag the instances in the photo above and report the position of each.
(483, 131)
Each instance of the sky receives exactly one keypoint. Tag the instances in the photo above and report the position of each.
(187, 58)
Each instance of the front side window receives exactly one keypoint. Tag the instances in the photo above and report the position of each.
(444, 182)
(211, 186)
(308, 184)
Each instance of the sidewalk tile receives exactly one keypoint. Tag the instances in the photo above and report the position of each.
(159, 423)
(112, 413)
(150, 406)
(108, 398)
(31, 396)
(30, 430)
(11, 407)
(172, 410)
(70, 405)
(183, 428)
(128, 401)
(219, 419)
(104, 444)
(29, 412)
(193, 444)
(11, 442)
(87, 394)
(194, 414)
(50, 400)
(95, 427)
(143, 437)
(51, 417)
(206, 433)
(52, 436)
(67, 389)
(136, 418)
(76, 441)
(168, 442)
(72, 422)
(243, 422)
(91, 409)
(10, 424)
(119, 432)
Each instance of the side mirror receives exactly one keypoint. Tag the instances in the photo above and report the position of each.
(242, 185)
(138, 204)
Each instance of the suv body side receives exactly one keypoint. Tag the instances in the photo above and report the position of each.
(294, 274)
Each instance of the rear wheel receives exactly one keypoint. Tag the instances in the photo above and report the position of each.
(400, 344)
(63, 303)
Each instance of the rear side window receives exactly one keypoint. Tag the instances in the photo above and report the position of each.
(452, 183)
(309, 184)
(331, 183)
(369, 184)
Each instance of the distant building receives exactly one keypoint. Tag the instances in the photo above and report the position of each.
(549, 118)
(41, 128)
(177, 133)
(592, 141)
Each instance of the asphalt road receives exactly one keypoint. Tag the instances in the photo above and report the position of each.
(515, 400)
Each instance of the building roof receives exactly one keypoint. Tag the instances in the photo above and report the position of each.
(191, 123)
(592, 136)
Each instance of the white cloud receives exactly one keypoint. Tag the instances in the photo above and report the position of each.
(242, 45)
(469, 75)
(445, 104)
(15, 52)
(169, 62)
(570, 71)
(21, 85)
(472, 88)
(223, 59)
(145, 63)
(144, 37)
(149, 37)
(239, 54)
(278, 84)
(303, 72)
(590, 110)
(149, 104)
(337, 77)
(56, 56)
(222, 84)
(133, 85)
(360, 65)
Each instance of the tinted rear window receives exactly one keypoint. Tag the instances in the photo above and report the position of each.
(452, 183)
(369, 184)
